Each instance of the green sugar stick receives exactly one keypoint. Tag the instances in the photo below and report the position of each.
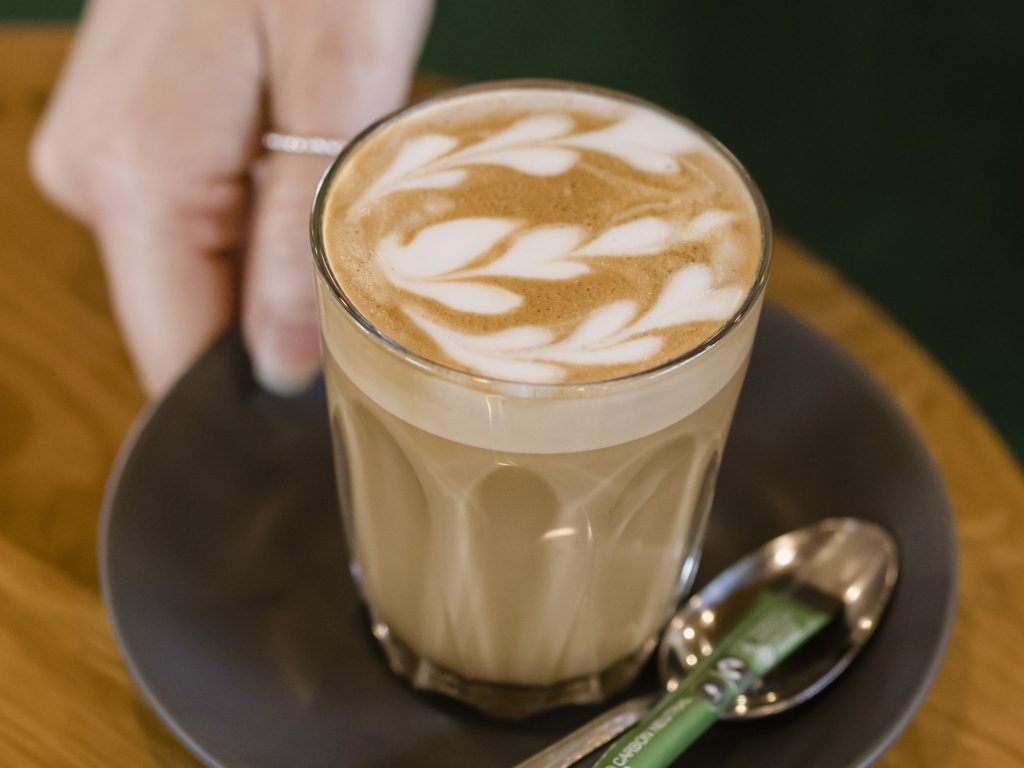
(774, 627)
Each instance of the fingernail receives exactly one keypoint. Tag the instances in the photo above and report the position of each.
(286, 360)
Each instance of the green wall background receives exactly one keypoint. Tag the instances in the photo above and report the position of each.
(887, 136)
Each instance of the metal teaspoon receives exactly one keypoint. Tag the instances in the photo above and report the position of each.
(851, 560)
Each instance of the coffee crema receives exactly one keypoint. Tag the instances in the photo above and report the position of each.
(542, 236)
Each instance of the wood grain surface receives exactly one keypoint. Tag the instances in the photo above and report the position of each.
(67, 397)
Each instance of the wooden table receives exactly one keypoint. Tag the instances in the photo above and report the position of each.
(67, 397)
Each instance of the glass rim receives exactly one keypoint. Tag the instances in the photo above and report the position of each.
(363, 323)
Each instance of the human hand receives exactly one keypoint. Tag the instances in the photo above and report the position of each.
(152, 140)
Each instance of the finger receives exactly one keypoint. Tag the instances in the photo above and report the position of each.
(333, 68)
(279, 307)
(148, 140)
(171, 296)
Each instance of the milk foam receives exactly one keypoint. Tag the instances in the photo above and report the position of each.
(542, 236)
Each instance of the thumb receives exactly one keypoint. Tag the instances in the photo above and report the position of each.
(333, 67)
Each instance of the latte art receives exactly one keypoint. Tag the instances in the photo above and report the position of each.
(543, 236)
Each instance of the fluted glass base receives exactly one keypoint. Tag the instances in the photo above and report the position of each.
(509, 701)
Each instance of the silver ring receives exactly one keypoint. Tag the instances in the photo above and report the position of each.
(302, 145)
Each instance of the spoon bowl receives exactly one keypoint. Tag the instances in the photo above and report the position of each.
(853, 561)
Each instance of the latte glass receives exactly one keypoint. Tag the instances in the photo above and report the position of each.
(520, 546)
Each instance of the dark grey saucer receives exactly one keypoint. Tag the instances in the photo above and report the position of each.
(225, 576)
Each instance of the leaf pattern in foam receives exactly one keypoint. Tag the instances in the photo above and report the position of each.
(704, 223)
(534, 161)
(463, 296)
(442, 248)
(494, 354)
(605, 337)
(602, 323)
(438, 180)
(651, 235)
(529, 129)
(634, 238)
(436, 263)
(601, 339)
(413, 155)
(428, 162)
(526, 353)
(620, 353)
(539, 145)
(648, 142)
(689, 296)
(520, 147)
(540, 253)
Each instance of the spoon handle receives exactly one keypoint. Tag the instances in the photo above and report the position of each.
(588, 737)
